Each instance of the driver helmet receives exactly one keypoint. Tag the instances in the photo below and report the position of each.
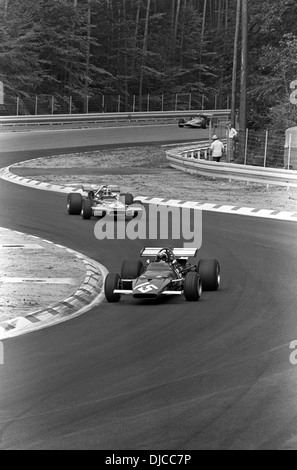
(162, 256)
(106, 191)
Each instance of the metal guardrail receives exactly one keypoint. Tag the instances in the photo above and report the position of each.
(105, 117)
(194, 161)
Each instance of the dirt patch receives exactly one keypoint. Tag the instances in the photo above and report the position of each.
(34, 274)
(144, 171)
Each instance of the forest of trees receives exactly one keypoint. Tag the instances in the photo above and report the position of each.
(82, 48)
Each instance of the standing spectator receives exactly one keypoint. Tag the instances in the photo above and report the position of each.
(217, 149)
(233, 137)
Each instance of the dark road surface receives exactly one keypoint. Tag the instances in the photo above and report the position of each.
(215, 374)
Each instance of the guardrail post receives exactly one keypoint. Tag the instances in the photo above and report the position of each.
(289, 150)
(209, 137)
(18, 106)
(246, 142)
(175, 106)
(190, 101)
(133, 105)
(53, 104)
(119, 103)
(70, 104)
(148, 102)
(228, 152)
(202, 104)
(103, 103)
(162, 105)
(36, 105)
(266, 145)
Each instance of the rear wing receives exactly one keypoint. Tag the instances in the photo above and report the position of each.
(178, 252)
(114, 188)
(90, 187)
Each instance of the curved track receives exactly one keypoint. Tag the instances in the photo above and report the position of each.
(169, 375)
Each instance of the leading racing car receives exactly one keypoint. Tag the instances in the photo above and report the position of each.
(101, 201)
(169, 273)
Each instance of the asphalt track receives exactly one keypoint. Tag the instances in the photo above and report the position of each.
(166, 375)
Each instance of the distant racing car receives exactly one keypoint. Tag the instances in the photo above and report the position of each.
(199, 121)
(169, 273)
(101, 201)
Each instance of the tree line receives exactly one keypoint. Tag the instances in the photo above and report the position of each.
(139, 47)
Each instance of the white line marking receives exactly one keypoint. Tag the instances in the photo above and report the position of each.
(27, 246)
(45, 280)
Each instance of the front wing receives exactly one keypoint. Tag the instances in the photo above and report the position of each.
(147, 290)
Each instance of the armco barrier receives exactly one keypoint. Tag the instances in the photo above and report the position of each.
(193, 161)
(101, 117)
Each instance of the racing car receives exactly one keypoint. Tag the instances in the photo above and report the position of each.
(199, 121)
(101, 201)
(168, 273)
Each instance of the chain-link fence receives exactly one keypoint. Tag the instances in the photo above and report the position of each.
(260, 148)
(47, 104)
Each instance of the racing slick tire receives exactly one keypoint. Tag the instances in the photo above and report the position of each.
(112, 282)
(192, 286)
(74, 203)
(86, 210)
(127, 198)
(181, 122)
(131, 269)
(210, 273)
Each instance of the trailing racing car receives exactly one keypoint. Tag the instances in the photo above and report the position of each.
(169, 273)
(199, 121)
(101, 201)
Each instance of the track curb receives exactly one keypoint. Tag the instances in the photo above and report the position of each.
(6, 174)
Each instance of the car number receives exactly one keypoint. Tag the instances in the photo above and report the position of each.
(147, 288)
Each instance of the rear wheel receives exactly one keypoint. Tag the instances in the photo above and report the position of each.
(112, 282)
(74, 203)
(210, 273)
(131, 269)
(192, 286)
(127, 198)
(181, 122)
(86, 211)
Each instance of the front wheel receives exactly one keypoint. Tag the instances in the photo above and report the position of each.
(74, 203)
(192, 286)
(112, 282)
(210, 273)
